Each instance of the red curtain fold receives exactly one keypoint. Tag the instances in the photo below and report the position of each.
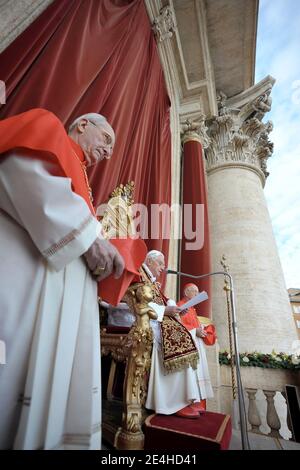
(196, 262)
(84, 56)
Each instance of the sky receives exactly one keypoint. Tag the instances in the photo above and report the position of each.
(278, 55)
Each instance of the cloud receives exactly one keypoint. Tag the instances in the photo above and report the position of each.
(277, 54)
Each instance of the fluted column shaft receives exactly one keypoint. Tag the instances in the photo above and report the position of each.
(241, 230)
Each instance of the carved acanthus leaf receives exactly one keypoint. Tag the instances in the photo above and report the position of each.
(234, 140)
(164, 25)
(195, 130)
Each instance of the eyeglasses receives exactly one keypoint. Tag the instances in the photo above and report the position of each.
(108, 138)
(91, 122)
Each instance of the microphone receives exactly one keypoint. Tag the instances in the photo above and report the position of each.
(241, 400)
(170, 271)
(199, 276)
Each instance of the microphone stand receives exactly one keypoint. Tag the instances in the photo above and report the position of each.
(241, 400)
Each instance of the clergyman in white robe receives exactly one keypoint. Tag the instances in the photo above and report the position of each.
(50, 385)
(202, 368)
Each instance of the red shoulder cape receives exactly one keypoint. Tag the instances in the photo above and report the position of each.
(42, 132)
(188, 319)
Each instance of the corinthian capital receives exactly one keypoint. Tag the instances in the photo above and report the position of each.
(238, 137)
(265, 147)
(195, 130)
(234, 142)
(165, 25)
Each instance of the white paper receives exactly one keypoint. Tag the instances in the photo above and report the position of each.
(195, 300)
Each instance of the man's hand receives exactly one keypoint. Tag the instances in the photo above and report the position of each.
(103, 257)
(172, 311)
(200, 332)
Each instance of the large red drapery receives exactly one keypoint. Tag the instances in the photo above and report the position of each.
(99, 56)
(198, 261)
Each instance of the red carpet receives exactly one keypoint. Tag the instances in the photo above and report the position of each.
(211, 431)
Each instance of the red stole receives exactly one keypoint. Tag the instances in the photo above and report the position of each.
(178, 348)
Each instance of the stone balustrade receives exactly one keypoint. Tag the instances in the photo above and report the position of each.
(265, 400)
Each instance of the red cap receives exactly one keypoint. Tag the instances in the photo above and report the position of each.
(189, 284)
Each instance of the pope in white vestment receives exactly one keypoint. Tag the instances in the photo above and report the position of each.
(50, 396)
(168, 393)
(174, 392)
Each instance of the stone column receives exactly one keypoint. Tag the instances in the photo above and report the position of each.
(241, 227)
(195, 257)
(194, 140)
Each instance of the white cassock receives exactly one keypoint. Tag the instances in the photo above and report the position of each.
(202, 368)
(50, 386)
(168, 393)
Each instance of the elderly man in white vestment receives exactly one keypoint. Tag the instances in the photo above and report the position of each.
(52, 253)
(192, 322)
(169, 392)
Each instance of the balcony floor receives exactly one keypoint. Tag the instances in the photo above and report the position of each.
(261, 442)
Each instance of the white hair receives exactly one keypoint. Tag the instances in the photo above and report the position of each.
(153, 254)
(94, 118)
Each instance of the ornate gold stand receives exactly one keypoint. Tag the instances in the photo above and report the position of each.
(135, 348)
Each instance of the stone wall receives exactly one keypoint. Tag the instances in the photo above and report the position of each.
(16, 16)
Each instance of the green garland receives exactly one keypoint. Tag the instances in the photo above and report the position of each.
(267, 361)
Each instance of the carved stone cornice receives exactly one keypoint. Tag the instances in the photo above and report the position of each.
(238, 137)
(164, 25)
(15, 17)
(195, 130)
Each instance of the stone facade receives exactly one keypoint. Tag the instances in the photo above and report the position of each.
(15, 17)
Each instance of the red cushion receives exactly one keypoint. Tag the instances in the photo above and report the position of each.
(211, 431)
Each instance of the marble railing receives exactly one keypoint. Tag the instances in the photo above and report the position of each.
(265, 398)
